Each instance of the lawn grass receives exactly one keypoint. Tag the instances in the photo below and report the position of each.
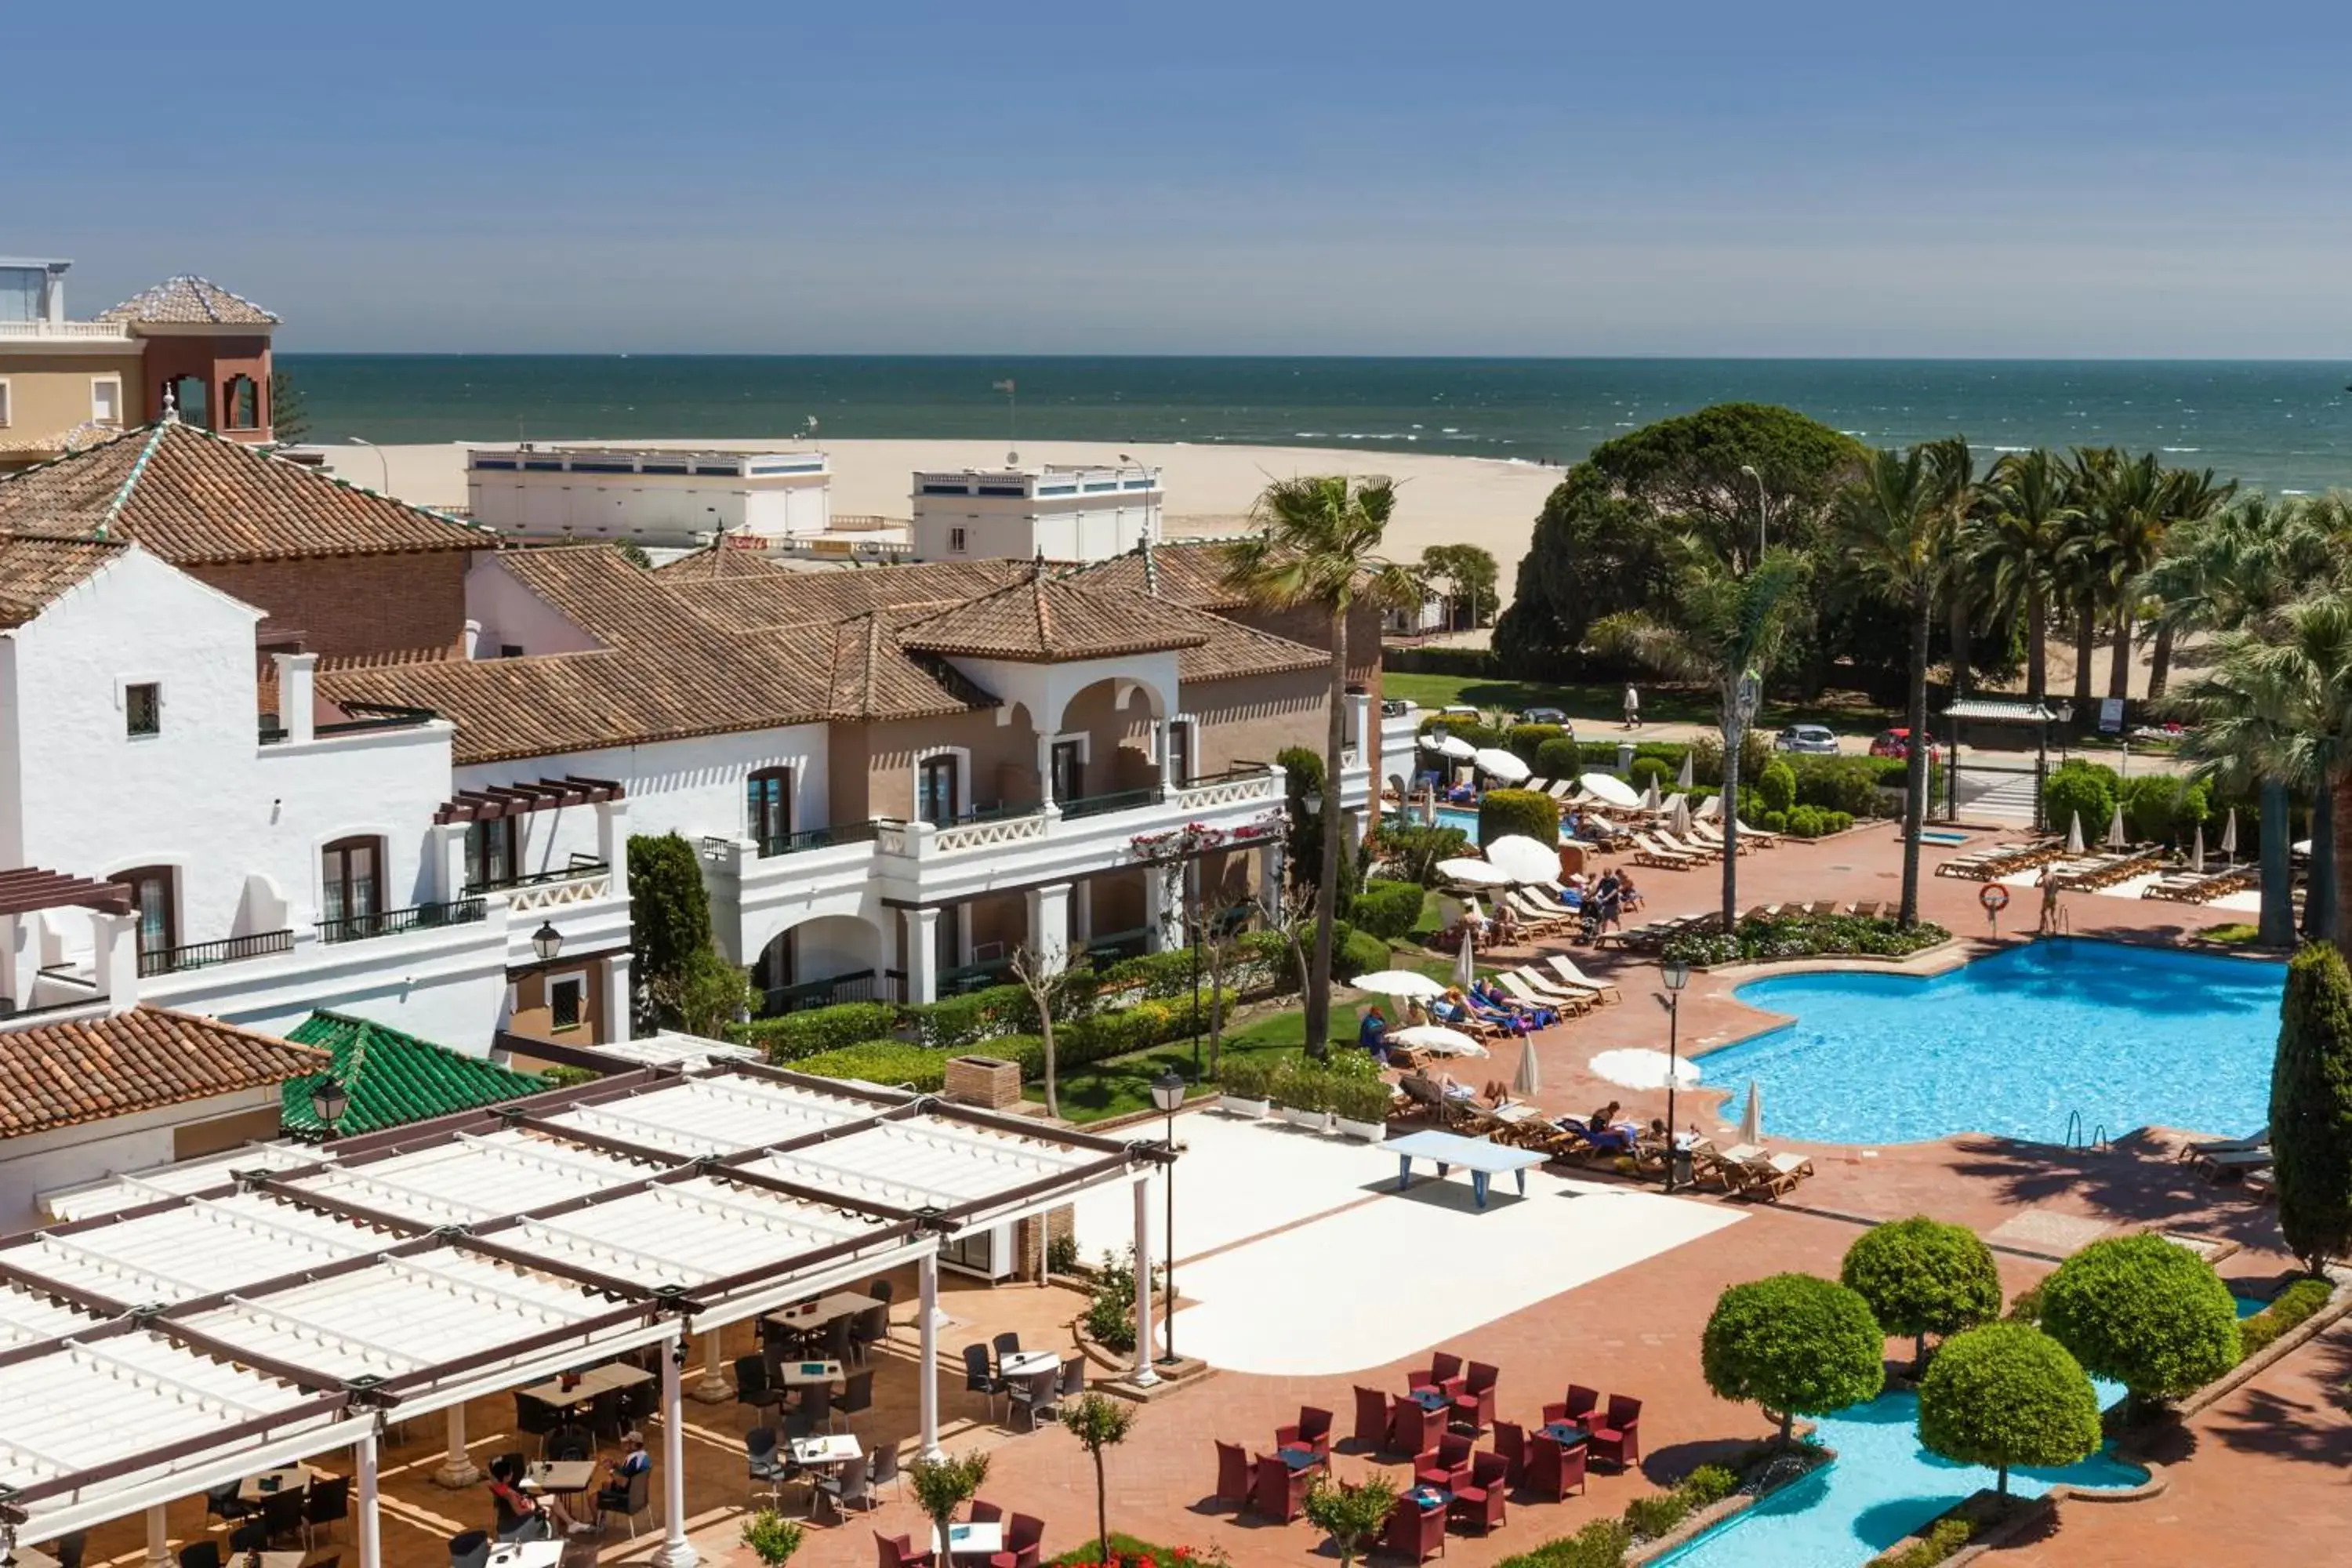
(1605, 704)
(1120, 1086)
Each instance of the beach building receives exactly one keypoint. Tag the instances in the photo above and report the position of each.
(660, 498)
(65, 384)
(1062, 513)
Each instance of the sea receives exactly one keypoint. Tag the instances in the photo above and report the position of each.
(2280, 425)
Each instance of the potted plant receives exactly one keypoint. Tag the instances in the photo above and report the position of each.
(771, 1537)
(1360, 1108)
(1242, 1087)
(1303, 1090)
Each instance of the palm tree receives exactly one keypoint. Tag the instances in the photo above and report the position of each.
(1315, 550)
(1891, 521)
(2019, 548)
(1959, 495)
(2130, 510)
(2189, 500)
(1725, 630)
(2079, 564)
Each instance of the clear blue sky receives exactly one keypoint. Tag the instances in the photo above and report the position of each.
(1694, 178)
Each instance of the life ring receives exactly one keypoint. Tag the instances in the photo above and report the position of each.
(1994, 896)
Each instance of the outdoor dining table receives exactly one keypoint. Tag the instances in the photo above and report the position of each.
(1567, 1434)
(1028, 1363)
(1299, 1458)
(1427, 1497)
(1483, 1158)
(976, 1539)
(596, 1379)
(270, 1483)
(804, 1373)
(526, 1554)
(829, 1449)
(810, 1316)
(559, 1478)
(1430, 1398)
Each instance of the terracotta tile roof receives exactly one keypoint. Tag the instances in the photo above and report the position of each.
(189, 302)
(1048, 619)
(1191, 572)
(392, 1078)
(779, 596)
(717, 564)
(1233, 651)
(64, 1075)
(35, 569)
(197, 498)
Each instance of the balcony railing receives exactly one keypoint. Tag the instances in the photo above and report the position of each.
(1116, 800)
(392, 922)
(818, 839)
(114, 331)
(206, 955)
(864, 985)
(580, 865)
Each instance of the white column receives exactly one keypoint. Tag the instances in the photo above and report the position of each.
(297, 707)
(713, 1386)
(1269, 869)
(371, 1532)
(457, 1470)
(1164, 737)
(114, 940)
(927, 1380)
(922, 955)
(620, 998)
(1145, 1373)
(1044, 770)
(159, 1547)
(612, 842)
(1155, 907)
(449, 852)
(676, 1551)
(1049, 922)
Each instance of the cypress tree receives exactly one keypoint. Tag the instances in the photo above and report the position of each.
(2311, 1107)
(669, 908)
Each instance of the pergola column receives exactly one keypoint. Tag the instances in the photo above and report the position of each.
(370, 1527)
(712, 1387)
(927, 1324)
(922, 964)
(456, 1469)
(1145, 1373)
(676, 1551)
(1049, 924)
(159, 1546)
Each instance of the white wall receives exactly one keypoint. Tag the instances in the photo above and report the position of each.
(512, 615)
(655, 508)
(69, 1156)
(1020, 527)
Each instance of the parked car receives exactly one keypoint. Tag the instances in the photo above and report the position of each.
(1813, 740)
(1543, 716)
(1897, 743)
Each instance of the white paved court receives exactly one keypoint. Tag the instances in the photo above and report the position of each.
(1306, 1242)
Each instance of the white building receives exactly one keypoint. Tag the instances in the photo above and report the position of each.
(649, 496)
(1082, 514)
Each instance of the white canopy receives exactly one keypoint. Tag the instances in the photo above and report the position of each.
(1450, 747)
(1637, 1068)
(1406, 983)
(1610, 789)
(1473, 873)
(1523, 860)
(1437, 1038)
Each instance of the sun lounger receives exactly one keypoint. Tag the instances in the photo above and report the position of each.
(1648, 851)
(1522, 984)
(1537, 912)
(2210, 1147)
(1565, 969)
(2222, 1166)
(1749, 1171)
(1559, 789)
(1689, 847)
(1708, 810)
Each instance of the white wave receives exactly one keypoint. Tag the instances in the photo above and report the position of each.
(2180, 449)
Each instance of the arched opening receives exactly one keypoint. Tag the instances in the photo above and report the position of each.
(819, 962)
(190, 398)
(1103, 757)
(244, 404)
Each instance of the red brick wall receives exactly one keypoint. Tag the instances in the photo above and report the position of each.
(215, 361)
(355, 605)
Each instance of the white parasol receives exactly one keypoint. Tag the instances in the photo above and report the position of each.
(1681, 823)
(1609, 789)
(1473, 873)
(1403, 983)
(1496, 763)
(1682, 780)
(2197, 851)
(1530, 1075)
(1465, 964)
(1449, 746)
(2230, 834)
(1650, 796)
(2074, 833)
(2116, 839)
(1437, 1038)
(1643, 1069)
(1751, 1121)
(1523, 860)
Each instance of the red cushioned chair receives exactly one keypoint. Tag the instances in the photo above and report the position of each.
(1618, 1437)
(898, 1551)
(1552, 1469)
(1443, 1371)
(1280, 1491)
(986, 1512)
(1233, 1474)
(1412, 1429)
(1312, 1432)
(1479, 1501)
(1415, 1532)
(1372, 1419)
(1511, 1442)
(1446, 1465)
(1581, 1402)
(1024, 1536)
(1474, 1406)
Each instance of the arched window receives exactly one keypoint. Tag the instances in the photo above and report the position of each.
(244, 401)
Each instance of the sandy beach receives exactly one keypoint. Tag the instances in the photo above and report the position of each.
(1441, 500)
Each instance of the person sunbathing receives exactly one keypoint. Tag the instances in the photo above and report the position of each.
(1607, 1132)
(1539, 1017)
(1479, 1008)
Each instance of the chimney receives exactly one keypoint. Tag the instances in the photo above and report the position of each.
(297, 695)
(473, 642)
(115, 939)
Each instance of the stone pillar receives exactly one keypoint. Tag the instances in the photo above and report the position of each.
(1164, 735)
(159, 1545)
(114, 940)
(922, 956)
(1145, 1373)
(456, 1469)
(712, 1387)
(297, 705)
(370, 1527)
(676, 1551)
(446, 842)
(620, 997)
(926, 1382)
(1044, 770)
(1269, 868)
(1049, 923)
(612, 842)
(1159, 917)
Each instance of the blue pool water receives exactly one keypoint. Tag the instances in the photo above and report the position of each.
(1883, 1486)
(2012, 1044)
(1454, 816)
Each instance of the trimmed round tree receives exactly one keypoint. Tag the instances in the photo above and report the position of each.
(2144, 1311)
(2311, 1107)
(1795, 1344)
(1923, 1276)
(1528, 811)
(2008, 1394)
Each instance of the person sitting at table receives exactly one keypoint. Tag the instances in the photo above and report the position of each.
(1505, 924)
(525, 1516)
(613, 1497)
(1372, 1034)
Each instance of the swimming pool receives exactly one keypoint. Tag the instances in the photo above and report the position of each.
(2015, 1044)
(1883, 1486)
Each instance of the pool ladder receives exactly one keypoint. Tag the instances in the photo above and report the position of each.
(2074, 1139)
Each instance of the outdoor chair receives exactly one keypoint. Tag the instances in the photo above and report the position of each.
(841, 1340)
(1581, 1402)
(200, 1554)
(1038, 1393)
(67, 1549)
(1412, 1429)
(979, 1379)
(628, 1501)
(247, 1537)
(1025, 1535)
(1443, 1373)
(885, 1470)
(857, 1394)
(1474, 1406)
(1006, 1343)
(1552, 1469)
(1312, 1432)
(845, 1486)
(1618, 1437)
(1073, 1377)
(1447, 1466)
(752, 1385)
(984, 1512)
(1279, 1491)
(763, 1467)
(1415, 1532)
(471, 1549)
(1565, 967)
(281, 1515)
(566, 1443)
(222, 1503)
(1233, 1482)
(1511, 1443)
(869, 1329)
(879, 1290)
(533, 1419)
(1372, 1419)
(329, 1500)
(1480, 1501)
(604, 1414)
(897, 1551)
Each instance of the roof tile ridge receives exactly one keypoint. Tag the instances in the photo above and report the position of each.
(130, 480)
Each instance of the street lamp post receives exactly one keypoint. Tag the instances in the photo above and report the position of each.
(1750, 470)
(1168, 1094)
(1677, 974)
(382, 462)
(328, 1103)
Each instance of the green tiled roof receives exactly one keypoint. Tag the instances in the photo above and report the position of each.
(396, 1079)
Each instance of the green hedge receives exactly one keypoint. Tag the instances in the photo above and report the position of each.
(794, 1036)
(1523, 811)
(1355, 952)
(1648, 771)
(1559, 760)
(1386, 909)
(1471, 730)
(1943, 1538)
(2294, 1305)
(956, 1022)
(1806, 936)
(2080, 789)
(1439, 661)
(887, 1062)
(1525, 741)
(1813, 822)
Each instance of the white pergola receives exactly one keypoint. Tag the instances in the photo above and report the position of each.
(192, 1326)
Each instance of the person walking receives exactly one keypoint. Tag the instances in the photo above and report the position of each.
(1632, 707)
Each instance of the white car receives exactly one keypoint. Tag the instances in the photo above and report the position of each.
(1814, 740)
